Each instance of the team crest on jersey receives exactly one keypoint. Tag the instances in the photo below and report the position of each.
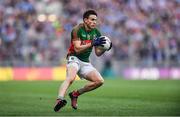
(84, 35)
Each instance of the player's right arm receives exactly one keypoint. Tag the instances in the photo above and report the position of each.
(76, 41)
(78, 47)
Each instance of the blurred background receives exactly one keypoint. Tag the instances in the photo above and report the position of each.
(35, 36)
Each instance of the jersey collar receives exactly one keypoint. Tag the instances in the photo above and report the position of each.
(86, 28)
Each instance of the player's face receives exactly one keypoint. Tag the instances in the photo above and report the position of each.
(91, 21)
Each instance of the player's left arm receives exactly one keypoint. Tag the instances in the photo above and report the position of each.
(99, 51)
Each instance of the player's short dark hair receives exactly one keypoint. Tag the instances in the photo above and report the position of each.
(88, 13)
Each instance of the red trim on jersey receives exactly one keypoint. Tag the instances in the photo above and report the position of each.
(84, 42)
(71, 48)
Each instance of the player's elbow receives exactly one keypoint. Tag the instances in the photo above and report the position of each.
(77, 50)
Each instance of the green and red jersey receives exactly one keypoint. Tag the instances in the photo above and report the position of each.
(79, 33)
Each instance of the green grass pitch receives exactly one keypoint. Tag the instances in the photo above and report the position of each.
(114, 98)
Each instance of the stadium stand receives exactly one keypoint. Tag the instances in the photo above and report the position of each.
(145, 33)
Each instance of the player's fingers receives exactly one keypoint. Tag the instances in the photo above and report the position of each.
(103, 42)
(101, 38)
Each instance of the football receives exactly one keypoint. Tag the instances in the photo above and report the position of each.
(107, 45)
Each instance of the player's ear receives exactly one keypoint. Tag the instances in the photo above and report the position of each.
(85, 20)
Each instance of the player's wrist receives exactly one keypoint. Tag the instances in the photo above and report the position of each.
(91, 44)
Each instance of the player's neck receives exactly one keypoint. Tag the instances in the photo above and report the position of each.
(87, 28)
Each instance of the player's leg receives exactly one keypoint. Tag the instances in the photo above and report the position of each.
(70, 77)
(72, 69)
(96, 81)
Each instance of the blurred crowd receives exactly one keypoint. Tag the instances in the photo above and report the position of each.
(37, 32)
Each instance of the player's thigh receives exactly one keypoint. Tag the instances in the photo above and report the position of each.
(94, 76)
(71, 70)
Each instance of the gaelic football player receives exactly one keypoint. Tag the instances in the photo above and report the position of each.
(84, 37)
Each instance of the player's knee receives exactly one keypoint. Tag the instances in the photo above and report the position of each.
(70, 80)
(100, 82)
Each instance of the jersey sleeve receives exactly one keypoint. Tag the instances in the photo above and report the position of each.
(75, 35)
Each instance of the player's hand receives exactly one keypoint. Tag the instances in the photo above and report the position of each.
(110, 46)
(98, 41)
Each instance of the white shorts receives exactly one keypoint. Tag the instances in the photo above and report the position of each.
(83, 67)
